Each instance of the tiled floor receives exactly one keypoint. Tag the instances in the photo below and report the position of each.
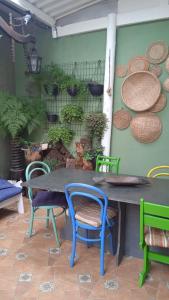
(34, 269)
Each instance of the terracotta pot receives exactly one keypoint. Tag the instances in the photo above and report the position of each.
(87, 165)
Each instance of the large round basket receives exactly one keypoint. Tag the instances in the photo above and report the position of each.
(121, 119)
(157, 52)
(140, 91)
(137, 64)
(160, 104)
(146, 127)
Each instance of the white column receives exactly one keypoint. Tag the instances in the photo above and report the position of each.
(109, 79)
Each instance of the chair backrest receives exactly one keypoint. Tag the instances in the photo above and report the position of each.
(75, 191)
(107, 164)
(158, 171)
(31, 169)
(153, 215)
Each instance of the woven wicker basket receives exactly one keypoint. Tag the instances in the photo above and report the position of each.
(140, 91)
(157, 52)
(156, 70)
(146, 127)
(166, 85)
(160, 104)
(137, 64)
(121, 119)
(121, 70)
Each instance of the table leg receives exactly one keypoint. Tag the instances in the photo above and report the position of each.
(121, 232)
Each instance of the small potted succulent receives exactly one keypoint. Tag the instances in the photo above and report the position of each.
(72, 113)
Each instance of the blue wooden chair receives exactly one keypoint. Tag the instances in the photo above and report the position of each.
(88, 210)
(44, 199)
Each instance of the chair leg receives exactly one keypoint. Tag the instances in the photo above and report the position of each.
(72, 258)
(31, 222)
(112, 241)
(146, 267)
(47, 217)
(87, 236)
(54, 227)
(102, 253)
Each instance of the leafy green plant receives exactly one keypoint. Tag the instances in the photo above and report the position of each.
(72, 113)
(75, 87)
(91, 154)
(96, 124)
(57, 134)
(18, 114)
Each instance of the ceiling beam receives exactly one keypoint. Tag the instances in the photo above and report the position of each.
(72, 8)
(25, 5)
(44, 3)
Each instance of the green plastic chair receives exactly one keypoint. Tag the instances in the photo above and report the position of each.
(44, 199)
(108, 164)
(154, 232)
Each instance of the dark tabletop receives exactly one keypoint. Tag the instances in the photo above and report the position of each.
(157, 190)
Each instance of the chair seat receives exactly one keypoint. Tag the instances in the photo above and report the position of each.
(89, 213)
(157, 237)
(45, 198)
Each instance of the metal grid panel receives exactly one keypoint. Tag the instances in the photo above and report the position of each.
(87, 71)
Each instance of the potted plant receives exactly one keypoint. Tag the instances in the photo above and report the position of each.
(50, 79)
(96, 124)
(90, 155)
(52, 117)
(95, 88)
(72, 113)
(73, 86)
(19, 116)
(59, 134)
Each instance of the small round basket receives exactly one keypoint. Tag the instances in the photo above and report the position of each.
(121, 70)
(137, 64)
(140, 91)
(157, 52)
(156, 70)
(166, 85)
(146, 127)
(160, 104)
(121, 119)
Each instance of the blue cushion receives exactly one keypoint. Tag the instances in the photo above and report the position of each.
(44, 198)
(4, 184)
(9, 192)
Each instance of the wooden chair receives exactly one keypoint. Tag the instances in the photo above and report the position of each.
(44, 199)
(154, 232)
(88, 212)
(159, 171)
(110, 163)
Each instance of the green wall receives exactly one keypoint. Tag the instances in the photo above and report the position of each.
(7, 82)
(138, 158)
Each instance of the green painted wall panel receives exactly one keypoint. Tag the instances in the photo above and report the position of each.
(137, 158)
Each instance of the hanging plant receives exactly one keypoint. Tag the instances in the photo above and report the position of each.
(72, 113)
(96, 124)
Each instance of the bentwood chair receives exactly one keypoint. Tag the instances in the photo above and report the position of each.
(159, 171)
(108, 164)
(44, 199)
(154, 232)
(88, 212)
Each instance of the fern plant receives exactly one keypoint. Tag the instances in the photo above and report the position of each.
(17, 114)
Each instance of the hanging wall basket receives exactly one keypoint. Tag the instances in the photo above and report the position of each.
(121, 119)
(137, 64)
(146, 127)
(157, 52)
(140, 91)
(95, 89)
